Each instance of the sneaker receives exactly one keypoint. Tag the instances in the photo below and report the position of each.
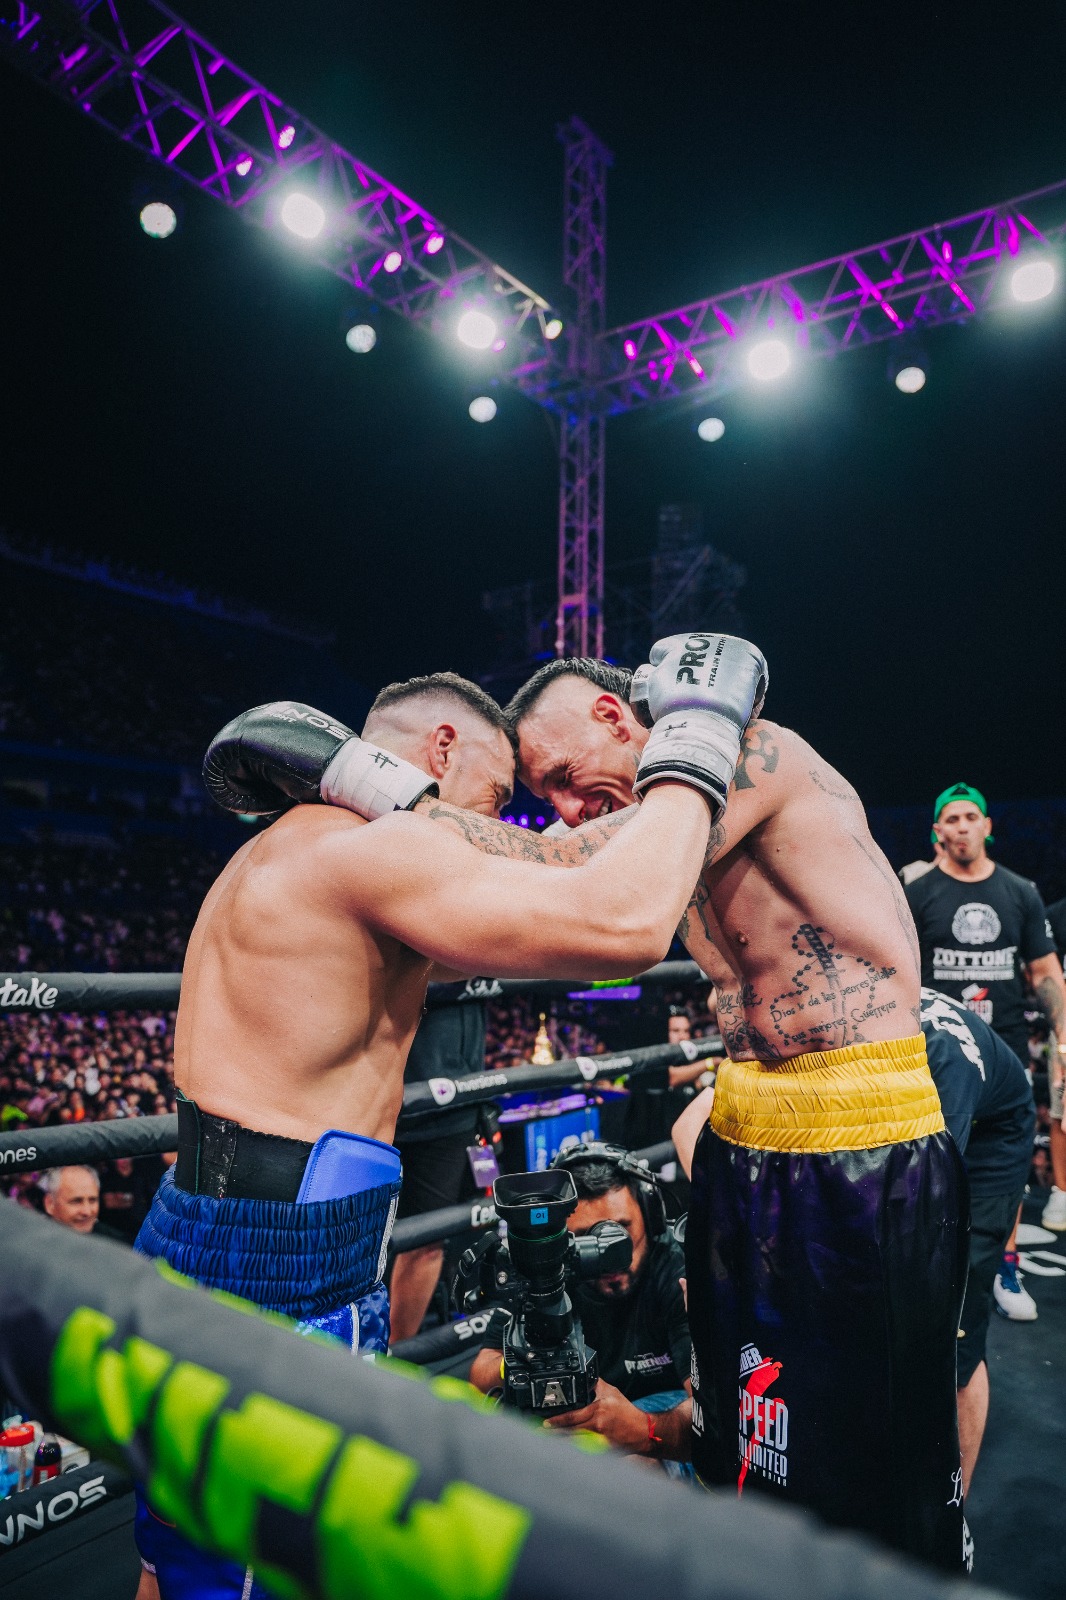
(1054, 1213)
(1011, 1299)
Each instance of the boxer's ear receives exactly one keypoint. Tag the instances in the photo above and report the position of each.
(614, 714)
(442, 747)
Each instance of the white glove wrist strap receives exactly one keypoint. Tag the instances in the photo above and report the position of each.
(372, 782)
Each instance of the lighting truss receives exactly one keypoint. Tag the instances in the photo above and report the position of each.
(947, 273)
(146, 76)
(149, 78)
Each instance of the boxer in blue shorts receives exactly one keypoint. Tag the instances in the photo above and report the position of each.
(304, 983)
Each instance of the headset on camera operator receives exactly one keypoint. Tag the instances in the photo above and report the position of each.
(635, 1320)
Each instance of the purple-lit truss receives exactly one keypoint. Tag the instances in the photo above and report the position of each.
(148, 77)
(946, 273)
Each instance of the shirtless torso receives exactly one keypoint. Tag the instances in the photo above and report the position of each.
(798, 919)
(307, 969)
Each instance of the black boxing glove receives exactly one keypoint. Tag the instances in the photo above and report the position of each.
(286, 753)
(698, 693)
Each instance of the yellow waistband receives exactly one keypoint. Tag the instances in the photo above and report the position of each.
(852, 1099)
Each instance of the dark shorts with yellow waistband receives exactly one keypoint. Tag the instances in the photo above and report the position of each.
(826, 1254)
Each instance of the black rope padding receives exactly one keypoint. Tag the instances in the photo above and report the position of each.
(392, 1474)
(33, 1149)
(141, 991)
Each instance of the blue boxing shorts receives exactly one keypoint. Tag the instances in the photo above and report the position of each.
(826, 1251)
(318, 1259)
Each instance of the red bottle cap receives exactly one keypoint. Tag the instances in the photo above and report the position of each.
(13, 1438)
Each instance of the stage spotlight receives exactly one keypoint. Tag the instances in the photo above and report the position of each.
(158, 219)
(553, 328)
(303, 216)
(434, 243)
(482, 408)
(244, 166)
(286, 135)
(711, 429)
(910, 379)
(393, 261)
(476, 329)
(1034, 280)
(361, 338)
(630, 350)
(768, 360)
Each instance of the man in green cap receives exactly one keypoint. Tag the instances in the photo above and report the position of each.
(982, 929)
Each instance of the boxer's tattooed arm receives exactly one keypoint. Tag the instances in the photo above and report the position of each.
(495, 838)
(757, 745)
(1049, 993)
(833, 785)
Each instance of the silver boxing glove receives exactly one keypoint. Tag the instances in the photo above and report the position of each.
(697, 693)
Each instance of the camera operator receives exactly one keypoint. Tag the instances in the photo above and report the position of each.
(635, 1320)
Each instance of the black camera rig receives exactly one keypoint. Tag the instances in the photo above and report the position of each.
(547, 1366)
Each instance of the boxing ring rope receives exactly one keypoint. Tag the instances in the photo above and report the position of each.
(143, 991)
(334, 1477)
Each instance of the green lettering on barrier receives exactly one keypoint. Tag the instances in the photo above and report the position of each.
(103, 1395)
(267, 1453)
(192, 1397)
(462, 1547)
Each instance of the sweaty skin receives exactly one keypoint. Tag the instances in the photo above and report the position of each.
(798, 919)
(307, 968)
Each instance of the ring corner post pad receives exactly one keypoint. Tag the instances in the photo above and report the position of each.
(343, 1164)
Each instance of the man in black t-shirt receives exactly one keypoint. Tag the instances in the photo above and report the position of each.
(982, 931)
(988, 1108)
(636, 1321)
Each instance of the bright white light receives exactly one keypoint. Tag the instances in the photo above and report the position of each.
(393, 261)
(286, 136)
(768, 360)
(244, 166)
(303, 216)
(710, 429)
(476, 329)
(553, 328)
(158, 219)
(434, 243)
(361, 339)
(910, 379)
(483, 409)
(1032, 281)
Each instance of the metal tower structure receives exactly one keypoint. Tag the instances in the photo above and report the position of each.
(154, 82)
(582, 424)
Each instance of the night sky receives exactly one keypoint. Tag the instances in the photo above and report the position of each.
(191, 406)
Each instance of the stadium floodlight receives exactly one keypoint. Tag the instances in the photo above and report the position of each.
(769, 359)
(483, 408)
(303, 216)
(158, 219)
(476, 329)
(393, 261)
(711, 429)
(361, 338)
(1033, 280)
(553, 328)
(910, 379)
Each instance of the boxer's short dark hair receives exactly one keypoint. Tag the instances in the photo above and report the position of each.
(616, 680)
(448, 685)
